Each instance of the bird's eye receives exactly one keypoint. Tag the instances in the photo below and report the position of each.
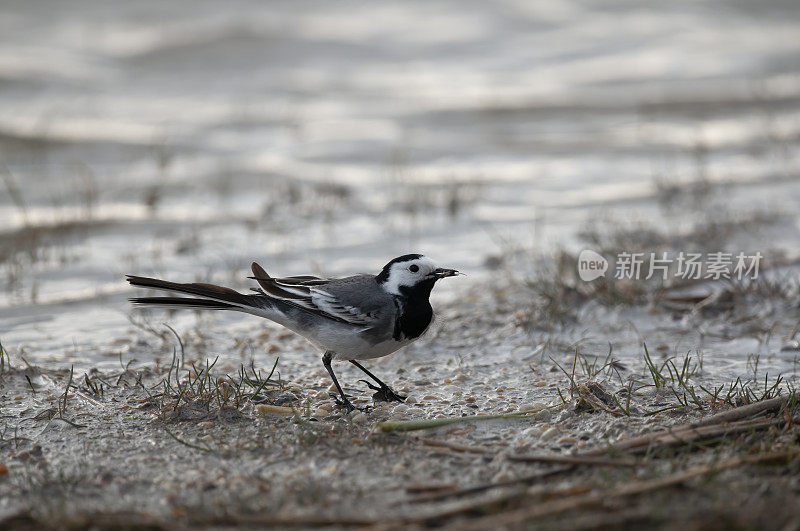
(413, 268)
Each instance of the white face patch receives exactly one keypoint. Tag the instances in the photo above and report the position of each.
(408, 274)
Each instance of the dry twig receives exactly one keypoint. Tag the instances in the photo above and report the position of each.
(635, 488)
(682, 435)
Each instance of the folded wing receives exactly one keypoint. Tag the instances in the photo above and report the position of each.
(309, 293)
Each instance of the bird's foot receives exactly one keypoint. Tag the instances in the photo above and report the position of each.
(384, 394)
(345, 403)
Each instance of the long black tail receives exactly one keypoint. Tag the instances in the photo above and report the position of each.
(208, 296)
(183, 303)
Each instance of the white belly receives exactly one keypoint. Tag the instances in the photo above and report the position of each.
(354, 347)
(345, 342)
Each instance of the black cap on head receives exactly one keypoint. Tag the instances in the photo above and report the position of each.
(383, 276)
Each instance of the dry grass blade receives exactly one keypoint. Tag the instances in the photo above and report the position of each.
(426, 424)
(635, 488)
(74, 391)
(98, 520)
(269, 520)
(436, 443)
(683, 435)
(772, 404)
(715, 426)
(575, 460)
(592, 396)
(482, 487)
(422, 488)
(188, 444)
(554, 459)
(141, 520)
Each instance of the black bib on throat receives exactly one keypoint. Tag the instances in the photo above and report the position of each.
(414, 310)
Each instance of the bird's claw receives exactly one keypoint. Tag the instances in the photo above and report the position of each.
(387, 395)
(343, 402)
(384, 394)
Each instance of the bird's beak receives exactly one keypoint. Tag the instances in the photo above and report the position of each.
(442, 273)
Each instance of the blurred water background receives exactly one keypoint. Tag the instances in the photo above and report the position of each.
(186, 139)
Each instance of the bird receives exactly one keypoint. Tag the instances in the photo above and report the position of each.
(353, 318)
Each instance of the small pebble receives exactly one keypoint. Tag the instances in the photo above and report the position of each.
(532, 432)
(549, 433)
(564, 415)
(359, 417)
(285, 398)
(206, 424)
(503, 475)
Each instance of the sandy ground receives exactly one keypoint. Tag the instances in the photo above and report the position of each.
(128, 454)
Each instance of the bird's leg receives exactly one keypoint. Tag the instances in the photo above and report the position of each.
(326, 361)
(384, 392)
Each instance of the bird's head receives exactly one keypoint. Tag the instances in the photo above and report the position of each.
(411, 272)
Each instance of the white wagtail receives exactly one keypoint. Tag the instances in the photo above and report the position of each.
(352, 318)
